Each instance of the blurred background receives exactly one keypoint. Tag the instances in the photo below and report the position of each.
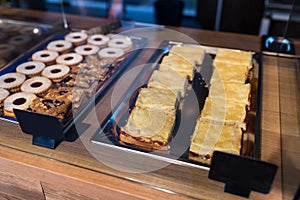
(257, 17)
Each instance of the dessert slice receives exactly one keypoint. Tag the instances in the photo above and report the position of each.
(234, 57)
(193, 54)
(179, 64)
(57, 102)
(209, 137)
(149, 128)
(224, 111)
(231, 91)
(170, 80)
(228, 72)
(165, 99)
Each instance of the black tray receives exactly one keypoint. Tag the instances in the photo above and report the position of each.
(50, 131)
(107, 134)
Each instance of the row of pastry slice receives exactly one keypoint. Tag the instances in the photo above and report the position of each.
(222, 119)
(152, 120)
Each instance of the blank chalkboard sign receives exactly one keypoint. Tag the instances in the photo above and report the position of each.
(241, 175)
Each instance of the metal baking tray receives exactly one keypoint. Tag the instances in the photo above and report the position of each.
(50, 126)
(11, 30)
(107, 134)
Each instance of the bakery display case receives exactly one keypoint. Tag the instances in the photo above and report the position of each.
(101, 154)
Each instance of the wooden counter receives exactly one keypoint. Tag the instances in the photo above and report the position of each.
(72, 172)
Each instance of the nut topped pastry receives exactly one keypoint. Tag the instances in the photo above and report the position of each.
(57, 102)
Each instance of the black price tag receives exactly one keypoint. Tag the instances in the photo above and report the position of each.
(241, 175)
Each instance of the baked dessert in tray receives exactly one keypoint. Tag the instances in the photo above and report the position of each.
(150, 125)
(209, 137)
(60, 78)
(223, 118)
(148, 128)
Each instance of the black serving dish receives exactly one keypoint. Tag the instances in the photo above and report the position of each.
(50, 131)
(108, 133)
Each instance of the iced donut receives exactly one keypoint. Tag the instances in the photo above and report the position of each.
(111, 52)
(31, 68)
(98, 40)
(61, 46)
(45, 56)
(69, 59)
(87, 49)
(124, 43)
(19, 40)
(12, 81)
(6, 50)
(37, 85)
(56, 72)
(77, 38)
(20, 100)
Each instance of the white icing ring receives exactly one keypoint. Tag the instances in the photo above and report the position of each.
(3, 94)
(19, 40)
(98, 40)
(111, 52)
(120, 42)
(69, 59)
(56, 71)
(45, 56)
(87, 49)
(59, 45)
(20, 100)
(36, 85)
(76, 38)
(30, 68)
(6, 50)
(11, 80)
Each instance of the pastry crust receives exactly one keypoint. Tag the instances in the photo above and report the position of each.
(148, 128)
(60, 46)
(31, 68)
(12, 81)
(124, 43)
(179, 64)
(224, 111)
(87, 50)
(164, 99)
(20, 100)
(37, 85)
(56, 72)
(209, 137)
(228, 72)
(193, 54)
(77, 38)
(98, 40)
(243, 58)
(45, 56)
(69, 59)
(170, 80)
(232, 91)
